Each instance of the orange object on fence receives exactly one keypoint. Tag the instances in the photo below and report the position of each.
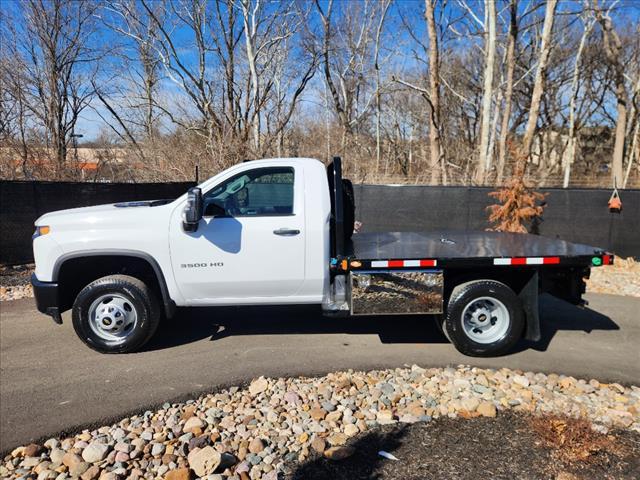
(615, 204)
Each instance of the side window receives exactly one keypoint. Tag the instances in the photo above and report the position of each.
(260, 192)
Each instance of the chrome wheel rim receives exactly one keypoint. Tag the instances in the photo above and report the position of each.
(113, 317)
(485, 320)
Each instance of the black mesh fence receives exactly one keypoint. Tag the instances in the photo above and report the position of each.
(576, 215)
(21, 203)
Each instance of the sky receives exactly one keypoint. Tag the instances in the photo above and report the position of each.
(400, 13)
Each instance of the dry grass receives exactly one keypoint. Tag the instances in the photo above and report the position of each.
(572, 440)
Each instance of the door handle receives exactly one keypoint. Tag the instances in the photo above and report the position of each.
(286, 232)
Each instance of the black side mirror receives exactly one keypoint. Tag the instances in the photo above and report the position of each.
(192, 212)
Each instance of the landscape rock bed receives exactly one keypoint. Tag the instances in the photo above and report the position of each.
(255, 432)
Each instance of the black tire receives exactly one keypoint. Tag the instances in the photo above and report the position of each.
(141, 298)
(464, 295)
(440, 321)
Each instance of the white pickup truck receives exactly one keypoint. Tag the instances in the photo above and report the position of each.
(280, 231)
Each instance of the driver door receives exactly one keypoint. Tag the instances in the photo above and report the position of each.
(250, 243)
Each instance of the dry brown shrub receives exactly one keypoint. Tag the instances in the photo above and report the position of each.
(518, 202)
(572, 439)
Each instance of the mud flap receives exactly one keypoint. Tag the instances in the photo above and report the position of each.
(529, 298)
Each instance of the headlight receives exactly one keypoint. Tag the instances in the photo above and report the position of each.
(41, 230)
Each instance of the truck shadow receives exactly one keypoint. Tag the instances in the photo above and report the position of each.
(556, 315)
(194, 324)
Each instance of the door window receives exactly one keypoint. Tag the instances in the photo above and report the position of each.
(260, 192)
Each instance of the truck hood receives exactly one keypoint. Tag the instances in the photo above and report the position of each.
(99, 213)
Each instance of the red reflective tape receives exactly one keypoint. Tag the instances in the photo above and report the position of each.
(427, 263)
(607, 260)
(396, 263)
(551, 260)
(519, 261)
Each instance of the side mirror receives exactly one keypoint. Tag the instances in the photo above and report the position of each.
(192, 212)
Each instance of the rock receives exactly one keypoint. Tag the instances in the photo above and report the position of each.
(95, 452)
(178, 474)
(567, 382)
(328, 406)
(385, 417)
(387, 388)
(92, 473)
(303, 438)
(351, 430)
(487, 409)
(70, 459)
(470, 404)
(333, 416)
(337, 439)
(52, 443)
(121, 457)
(256, 445)
(521, 380)
(56, 455)
(292, 398)
(258, 386)
(157, 449)
(191, 424)
(46, 474)
(168, 458)
(33, 450)
(204, 461)
(78, 469)
(109, 476)
(317, 413)
(318, 444)
(339, 453)
(18, 452)
(227, 461)
(123, 447)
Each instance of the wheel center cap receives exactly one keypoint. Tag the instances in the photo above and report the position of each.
(112, 318)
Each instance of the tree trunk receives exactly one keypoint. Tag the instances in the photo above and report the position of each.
(434, 93)
(538, 86)
(484, 156)
(571, 147)
(613, 51)
(508, 94)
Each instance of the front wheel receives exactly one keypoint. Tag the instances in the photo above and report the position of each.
(116, 314)
(484, 318)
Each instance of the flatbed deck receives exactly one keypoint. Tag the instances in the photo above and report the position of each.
(461, 249)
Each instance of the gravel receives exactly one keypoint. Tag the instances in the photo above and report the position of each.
(262, 430)
(14, 282)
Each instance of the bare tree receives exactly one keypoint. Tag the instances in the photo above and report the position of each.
(613, 51)
(588, 22)
(432, 95)
(484, 155)
(56, 52)
(538, 85)
(349, 50)
(510, 62)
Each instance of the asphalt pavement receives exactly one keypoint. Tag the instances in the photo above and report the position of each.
(51, 383)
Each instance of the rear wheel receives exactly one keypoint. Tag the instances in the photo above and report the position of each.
(484, 318)
(116, 314)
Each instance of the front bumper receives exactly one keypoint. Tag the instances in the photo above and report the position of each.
(46, 294)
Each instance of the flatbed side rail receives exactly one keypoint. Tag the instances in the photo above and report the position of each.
(596, 260)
